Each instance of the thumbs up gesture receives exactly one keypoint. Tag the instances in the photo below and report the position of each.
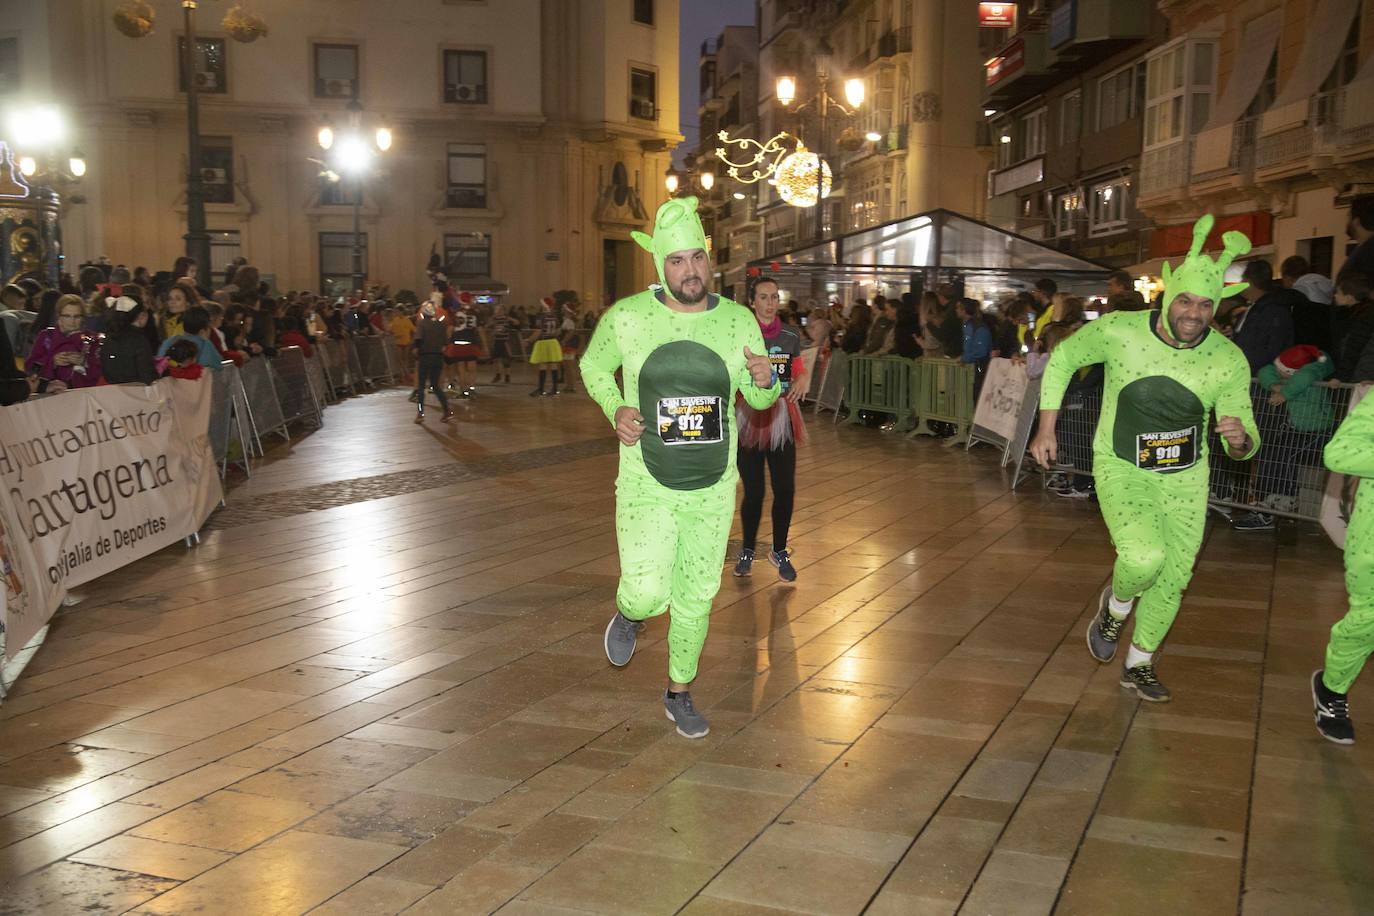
(760, 368)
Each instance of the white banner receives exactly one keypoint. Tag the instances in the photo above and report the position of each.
(999, 403)
(93, 480)
(1339, 500)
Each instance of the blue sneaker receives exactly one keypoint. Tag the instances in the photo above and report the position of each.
(745, 565)
(782, 559)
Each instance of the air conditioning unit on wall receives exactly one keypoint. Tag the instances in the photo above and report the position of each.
(338, 89)
(465, 92)
(214, 176)
(207, 79)
(643, 108)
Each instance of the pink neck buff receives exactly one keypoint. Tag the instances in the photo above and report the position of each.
(771, 329)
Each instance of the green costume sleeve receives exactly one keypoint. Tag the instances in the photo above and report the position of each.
(1233, 400)
(1351, 450)
(1083, 347)
(599, 365)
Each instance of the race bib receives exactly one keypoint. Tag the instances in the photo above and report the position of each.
(1168, 451)
(682, 421)
(782, 365)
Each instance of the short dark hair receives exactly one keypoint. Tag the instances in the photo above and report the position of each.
(1121, 278)
(1047, 286)
(1356, 285)
(1294, 266)
(947, 291)
(970, 307)
(1258, 273)
(195, 319)
(1362, 210)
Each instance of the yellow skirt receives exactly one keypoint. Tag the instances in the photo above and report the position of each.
(546, 351)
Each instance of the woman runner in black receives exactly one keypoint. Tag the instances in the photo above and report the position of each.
(769, 437)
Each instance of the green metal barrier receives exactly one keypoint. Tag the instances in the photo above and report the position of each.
(942, 391)
(881, 384)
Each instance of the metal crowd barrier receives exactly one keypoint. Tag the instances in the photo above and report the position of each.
(834, 378)
(373, 362)
(1286, 477)
(882, 384)
(230, 424)
(355, 365)
(263, 404)
(294, 393)
(336, 366)
(319, 383)
(942, 389)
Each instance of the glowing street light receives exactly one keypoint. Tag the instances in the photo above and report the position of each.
(671, 183)
(326, 137)
(854, 92)
(873, 136)
(708, 180)
(787, 90)
(384, 138)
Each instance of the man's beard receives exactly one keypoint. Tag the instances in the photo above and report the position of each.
(686, 298)
(1173, 329)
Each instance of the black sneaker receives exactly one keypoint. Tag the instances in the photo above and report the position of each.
(537, 393)
(1105, 630)
(745, 565)
(1142, 680)
(1253, 521)
(1332, 710)
(621, 635)
(782, 559)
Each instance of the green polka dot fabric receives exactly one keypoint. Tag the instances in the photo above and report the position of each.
(1156, 513)
(1351, 451)
(674, 501)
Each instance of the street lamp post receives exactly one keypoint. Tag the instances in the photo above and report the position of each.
(197, 238)
(351, 157)
(786, 92)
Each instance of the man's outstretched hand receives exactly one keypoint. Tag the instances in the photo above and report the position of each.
(760, 368)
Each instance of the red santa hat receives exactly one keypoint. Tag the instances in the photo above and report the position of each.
(548, 301)
(1294, 358)
(465, 298)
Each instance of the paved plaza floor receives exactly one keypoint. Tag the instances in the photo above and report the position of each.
(378, 685)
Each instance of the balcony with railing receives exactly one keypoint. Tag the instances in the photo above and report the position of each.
(1240, 161)
(1318, 134)
(898, 41)
(1165, 170)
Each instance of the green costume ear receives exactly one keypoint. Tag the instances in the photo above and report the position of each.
(1199, 274)
(676, 228)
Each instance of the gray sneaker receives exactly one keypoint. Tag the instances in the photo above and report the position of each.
(681, 712)
(1105, 630)
(621, 635)
(1143, 681)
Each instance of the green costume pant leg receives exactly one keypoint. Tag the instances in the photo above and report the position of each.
(1156, 523)
(1352, 638)
(671, 545)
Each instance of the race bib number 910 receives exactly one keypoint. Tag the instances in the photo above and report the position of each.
(1166, 451)
(682, 421)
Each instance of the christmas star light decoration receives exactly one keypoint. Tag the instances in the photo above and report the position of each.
(766, 156)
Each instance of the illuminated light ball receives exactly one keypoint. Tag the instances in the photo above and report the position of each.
(774, 266)
(754, 271)
(796, 179)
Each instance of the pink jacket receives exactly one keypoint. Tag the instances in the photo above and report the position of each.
(50, 342)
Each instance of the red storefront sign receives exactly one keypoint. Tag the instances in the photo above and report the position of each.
(1174, 241)
(1011, 60)
(996, 15)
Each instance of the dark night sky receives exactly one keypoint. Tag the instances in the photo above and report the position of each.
(700, 20)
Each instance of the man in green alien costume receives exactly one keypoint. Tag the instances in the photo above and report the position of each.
(683, 352)
(1350, 451)
(1165, 373)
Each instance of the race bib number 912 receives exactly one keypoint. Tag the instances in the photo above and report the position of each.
(1166, 451)
(682, 421)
